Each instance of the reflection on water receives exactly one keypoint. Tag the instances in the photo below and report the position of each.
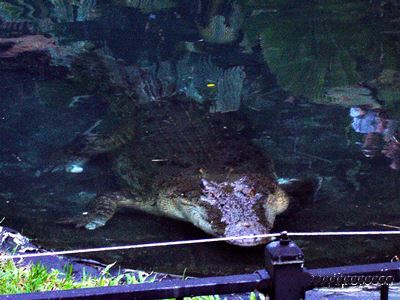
(316, 87)
(378, 129)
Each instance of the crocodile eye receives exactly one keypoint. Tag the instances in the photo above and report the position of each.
(228, 189)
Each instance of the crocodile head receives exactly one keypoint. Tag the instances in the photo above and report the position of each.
(242, 208)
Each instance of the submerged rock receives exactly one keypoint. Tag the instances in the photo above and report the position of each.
(348, 96)
(38, 54)
(14, 47)
(30, 53)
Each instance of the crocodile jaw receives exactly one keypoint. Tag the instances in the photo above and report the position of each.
(247, 229)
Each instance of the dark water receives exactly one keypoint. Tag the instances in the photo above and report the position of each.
(306, 66)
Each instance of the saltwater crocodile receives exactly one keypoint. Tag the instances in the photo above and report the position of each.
(179, 160)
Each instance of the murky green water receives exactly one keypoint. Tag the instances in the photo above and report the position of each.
(307, 67)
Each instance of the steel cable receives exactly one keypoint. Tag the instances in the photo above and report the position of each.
(200, 241)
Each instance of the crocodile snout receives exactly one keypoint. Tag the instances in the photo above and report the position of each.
(252, 234)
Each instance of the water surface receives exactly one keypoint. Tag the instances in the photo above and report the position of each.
(302, 53)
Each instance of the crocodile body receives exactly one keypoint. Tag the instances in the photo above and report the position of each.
(185, 163)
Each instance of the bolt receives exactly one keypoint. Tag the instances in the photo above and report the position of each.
(284, 239)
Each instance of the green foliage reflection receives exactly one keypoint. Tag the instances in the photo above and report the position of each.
(315, 45)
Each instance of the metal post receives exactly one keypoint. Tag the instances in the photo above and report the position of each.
(284, 262)
(384, 292)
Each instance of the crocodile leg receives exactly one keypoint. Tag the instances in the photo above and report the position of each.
(73, 156)
(91, 143)
(100, 210)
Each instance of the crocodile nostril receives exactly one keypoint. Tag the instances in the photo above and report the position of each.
(247, 225)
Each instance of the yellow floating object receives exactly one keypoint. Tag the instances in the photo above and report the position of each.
(211, 85)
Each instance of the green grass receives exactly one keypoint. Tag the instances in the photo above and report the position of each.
(35, 278)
